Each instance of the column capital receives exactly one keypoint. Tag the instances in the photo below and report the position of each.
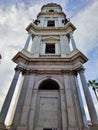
(81, 70)
(73, 72)
(21, 66)
(71, 32)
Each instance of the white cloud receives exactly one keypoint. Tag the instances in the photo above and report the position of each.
(86, 36)
(91, 68)
(86, 22)
(12, 39)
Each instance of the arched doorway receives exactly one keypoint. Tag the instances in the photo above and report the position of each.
(48, 117)
(49, 84)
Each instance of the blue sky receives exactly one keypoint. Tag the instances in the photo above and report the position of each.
(15, 16)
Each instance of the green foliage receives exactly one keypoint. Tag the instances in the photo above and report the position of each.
(94, 85)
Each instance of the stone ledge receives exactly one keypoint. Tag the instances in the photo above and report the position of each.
(3, 126)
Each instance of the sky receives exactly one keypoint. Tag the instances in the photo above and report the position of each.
(15, 15)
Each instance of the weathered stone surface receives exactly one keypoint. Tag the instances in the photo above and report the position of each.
(49, 97)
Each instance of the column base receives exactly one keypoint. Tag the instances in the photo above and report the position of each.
(93, 127)
(3, 126)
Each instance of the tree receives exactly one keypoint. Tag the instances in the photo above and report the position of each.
(93, 84)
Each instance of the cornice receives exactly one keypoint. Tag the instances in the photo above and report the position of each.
(36, 30)
(45, 14)
(71, 64)
(26, 57)
(72, 70)
(52, 5)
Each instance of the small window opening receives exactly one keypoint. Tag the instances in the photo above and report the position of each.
(51, 10)
(51, 23)
(47, 128)
(50, 48)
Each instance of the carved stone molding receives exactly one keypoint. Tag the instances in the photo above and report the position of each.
(21, 66)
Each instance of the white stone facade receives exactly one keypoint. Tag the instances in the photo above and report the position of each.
(50, 96)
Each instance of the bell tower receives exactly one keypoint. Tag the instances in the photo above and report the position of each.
(49, 97)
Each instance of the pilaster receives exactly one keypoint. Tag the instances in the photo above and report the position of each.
(33, 110)
(26, 106)
(57, 48)
(69, 103)
(62, 43)
(45, 23)
(42, 48)
(37, 46)
(18, 112)
(63, 111)
(42, 21)
(67, 47)
(59, 22)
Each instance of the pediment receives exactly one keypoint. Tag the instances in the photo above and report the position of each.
(50, 38)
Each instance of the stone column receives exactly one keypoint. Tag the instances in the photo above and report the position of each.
(67, 47)
(27, 42)
(63, 52)
(9, 96)
(72, 40)
(84, 119)
(37, 46)
(89, 100)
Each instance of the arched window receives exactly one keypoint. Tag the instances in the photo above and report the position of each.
(49, 85)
